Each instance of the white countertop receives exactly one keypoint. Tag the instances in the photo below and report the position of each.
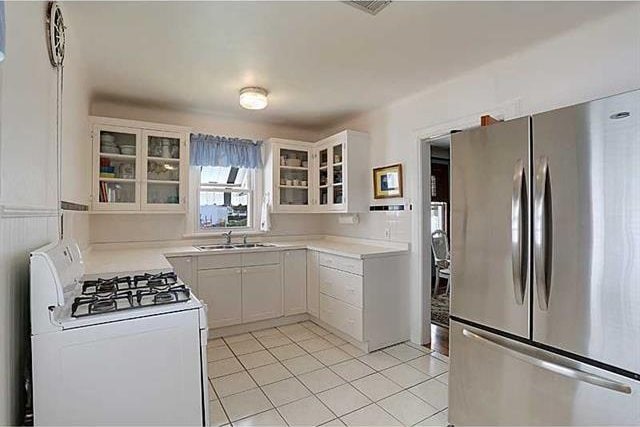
(114, 259)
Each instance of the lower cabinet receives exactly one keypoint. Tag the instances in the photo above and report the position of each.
(221, 290)
(341, 316)
(261, 293)
(183, 266)
(295, 282)
(313, 287)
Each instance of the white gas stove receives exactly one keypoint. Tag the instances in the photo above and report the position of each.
(128, 349)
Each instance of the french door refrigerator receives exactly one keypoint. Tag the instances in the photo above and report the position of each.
(545, 251)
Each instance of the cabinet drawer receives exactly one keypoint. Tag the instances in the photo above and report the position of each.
(341, 285)
(219, 261)
(341, 263)
(341, 316)
(260, 258)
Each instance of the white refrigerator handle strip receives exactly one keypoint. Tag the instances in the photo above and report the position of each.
(552, 363)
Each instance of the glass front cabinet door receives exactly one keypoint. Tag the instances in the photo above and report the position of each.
(292, 178)
(163, 171)
(116, 169)
(330, 176)
(137, 169)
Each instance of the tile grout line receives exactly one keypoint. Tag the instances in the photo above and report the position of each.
(328, 366)
(433, 415)
(285, 367)
(297, 379)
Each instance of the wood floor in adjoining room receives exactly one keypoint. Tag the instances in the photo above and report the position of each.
(301, 374)
(439, 339)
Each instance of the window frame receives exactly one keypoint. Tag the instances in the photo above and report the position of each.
(253, 188)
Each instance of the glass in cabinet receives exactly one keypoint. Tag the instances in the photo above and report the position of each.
(115, 159)
(293, 178)
(337, 174)
(162, 185)
(330, 177)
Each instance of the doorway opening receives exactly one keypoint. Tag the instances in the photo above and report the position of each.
(440, 226)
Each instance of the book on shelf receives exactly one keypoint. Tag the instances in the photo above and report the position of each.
(103, 192)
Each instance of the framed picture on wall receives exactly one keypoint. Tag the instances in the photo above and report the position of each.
(387, 182)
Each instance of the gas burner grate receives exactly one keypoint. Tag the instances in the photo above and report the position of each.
(125, 293)
(106, 286)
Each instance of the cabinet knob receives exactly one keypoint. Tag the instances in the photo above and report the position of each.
(188, 260)
(238, 271)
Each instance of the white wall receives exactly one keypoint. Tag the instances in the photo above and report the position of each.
(598, 59)
(210, 123)
(111, 228)
(76, 147)
(28, 179)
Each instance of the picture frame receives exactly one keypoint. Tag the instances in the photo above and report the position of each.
(387, 182)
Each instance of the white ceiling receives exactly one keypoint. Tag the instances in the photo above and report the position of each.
(321, 61)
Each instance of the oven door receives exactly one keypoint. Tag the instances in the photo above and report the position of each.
(143, 371)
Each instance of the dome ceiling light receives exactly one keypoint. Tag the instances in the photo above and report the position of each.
(253, 98)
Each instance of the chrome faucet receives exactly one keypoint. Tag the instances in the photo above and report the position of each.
(227, 236)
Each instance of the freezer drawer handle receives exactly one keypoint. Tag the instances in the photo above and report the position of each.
(542, 233)
(519, 241)
(521, 352)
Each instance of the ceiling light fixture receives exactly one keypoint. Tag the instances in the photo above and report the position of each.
(253, 98)
(620, 115)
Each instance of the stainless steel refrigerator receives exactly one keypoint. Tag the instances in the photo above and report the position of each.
(545, 255)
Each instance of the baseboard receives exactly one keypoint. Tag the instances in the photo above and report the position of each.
(256, 326)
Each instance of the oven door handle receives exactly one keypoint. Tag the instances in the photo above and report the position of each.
(549, 362)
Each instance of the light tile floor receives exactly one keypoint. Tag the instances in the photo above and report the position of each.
(302, 375)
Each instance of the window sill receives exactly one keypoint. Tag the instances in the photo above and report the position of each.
(236, 231)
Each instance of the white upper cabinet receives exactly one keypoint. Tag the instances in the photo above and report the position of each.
(288, 169)
(331, 175)
(138, 166)
(116, 168)
(343, 177)
(163, 170)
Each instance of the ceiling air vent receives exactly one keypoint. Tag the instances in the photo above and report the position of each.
(372, 7)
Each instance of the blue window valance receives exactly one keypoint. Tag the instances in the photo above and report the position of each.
(209, 150)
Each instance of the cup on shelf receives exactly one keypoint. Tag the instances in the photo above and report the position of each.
(129, 150)
(107, 138)
(296, 182)
(283, 181)
(303, 183)
(289, 182)
(337, 158)
(305, 164)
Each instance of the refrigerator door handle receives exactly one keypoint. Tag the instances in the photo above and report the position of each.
(524, 353)
(518, 232)
(542, 233)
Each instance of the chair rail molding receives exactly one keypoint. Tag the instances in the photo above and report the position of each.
(26, 211)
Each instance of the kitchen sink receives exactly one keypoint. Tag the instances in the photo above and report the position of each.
(234, 246)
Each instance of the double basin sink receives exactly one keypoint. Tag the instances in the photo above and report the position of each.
(234, 246)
